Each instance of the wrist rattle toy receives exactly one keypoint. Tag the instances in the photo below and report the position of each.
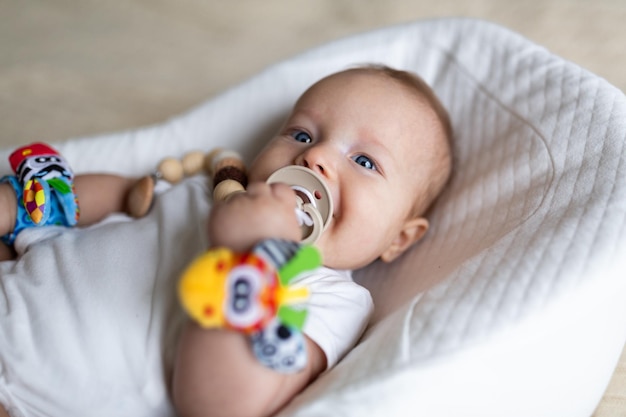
(252, 293)
(44, 187)
(244, 291)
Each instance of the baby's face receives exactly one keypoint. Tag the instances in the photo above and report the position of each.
(371, 139)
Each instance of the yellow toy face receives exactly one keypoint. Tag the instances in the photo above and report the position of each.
(225, 289)
(201, 289)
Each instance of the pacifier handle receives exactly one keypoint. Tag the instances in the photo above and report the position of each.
(314, 198)
(314, 232)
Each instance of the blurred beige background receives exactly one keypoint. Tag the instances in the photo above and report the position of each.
(72, 68)
(80, 67)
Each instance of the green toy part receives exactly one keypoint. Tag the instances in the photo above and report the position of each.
(292, 317)
(306, 259)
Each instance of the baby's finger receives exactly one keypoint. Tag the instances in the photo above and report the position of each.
(258, 188)
(283, 192)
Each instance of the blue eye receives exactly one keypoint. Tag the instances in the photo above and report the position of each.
(365, 162)
(301, 136)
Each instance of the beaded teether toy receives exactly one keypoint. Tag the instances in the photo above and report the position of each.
(228, 172)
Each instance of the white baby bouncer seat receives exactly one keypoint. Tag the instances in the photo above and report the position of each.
(515, 303)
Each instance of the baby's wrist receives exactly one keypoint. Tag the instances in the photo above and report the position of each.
(242, 233)
(8, 208)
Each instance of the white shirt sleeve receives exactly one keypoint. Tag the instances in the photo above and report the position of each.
(339, 310)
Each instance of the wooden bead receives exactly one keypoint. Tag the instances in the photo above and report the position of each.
(193, 163)
(229, 162)
(140, 197)
(225, 189)
(230, 173)
(219, 156)
(171, 170)
(208, 160)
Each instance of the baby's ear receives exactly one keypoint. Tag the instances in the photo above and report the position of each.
(413, 230)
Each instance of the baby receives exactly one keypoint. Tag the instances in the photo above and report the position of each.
(381, 141)
(99, 343)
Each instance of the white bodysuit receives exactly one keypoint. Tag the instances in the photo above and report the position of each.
(89, 317)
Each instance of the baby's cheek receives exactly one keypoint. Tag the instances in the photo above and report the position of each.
(345, 251)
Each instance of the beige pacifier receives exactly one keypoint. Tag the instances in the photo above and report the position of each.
(315, 203)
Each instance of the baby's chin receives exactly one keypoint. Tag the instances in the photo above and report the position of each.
(334, 258)
(343, 264)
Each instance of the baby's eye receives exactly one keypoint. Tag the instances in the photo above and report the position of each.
(365, 162)
(301, 136)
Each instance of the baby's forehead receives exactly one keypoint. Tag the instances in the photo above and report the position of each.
(411, 100)
(358, 81)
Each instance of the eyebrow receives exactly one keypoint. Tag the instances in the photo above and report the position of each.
(306, 112)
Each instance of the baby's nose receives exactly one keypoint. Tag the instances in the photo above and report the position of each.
(319, 168)
(316, 159)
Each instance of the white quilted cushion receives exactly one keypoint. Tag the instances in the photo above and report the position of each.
(514, 304)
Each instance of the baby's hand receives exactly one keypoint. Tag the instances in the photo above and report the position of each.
(264, 211)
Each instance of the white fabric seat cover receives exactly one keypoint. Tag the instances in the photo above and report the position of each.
(514, 304)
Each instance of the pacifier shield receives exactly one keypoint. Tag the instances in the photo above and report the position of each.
(314, 194)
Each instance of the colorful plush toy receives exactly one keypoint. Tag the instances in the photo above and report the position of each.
(245, 291)
(44, 187)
